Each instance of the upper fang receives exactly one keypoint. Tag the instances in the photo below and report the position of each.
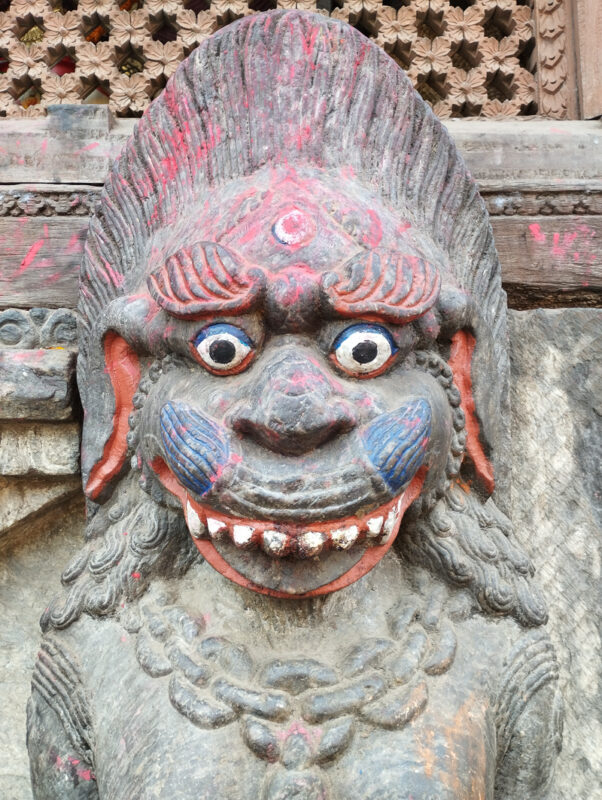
(375, 526)
(242, 535)
(195, 525)
(215, 526)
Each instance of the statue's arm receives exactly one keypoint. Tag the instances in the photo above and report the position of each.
(529, 723)
(59, 734)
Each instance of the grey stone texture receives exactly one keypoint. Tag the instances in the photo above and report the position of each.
(556, 393)
(32, 556)
(36, 384)
(556, 503)
(39, 449)
(23, 499)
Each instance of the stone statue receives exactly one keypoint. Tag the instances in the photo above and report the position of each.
(292, 337)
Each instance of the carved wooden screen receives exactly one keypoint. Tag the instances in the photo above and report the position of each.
(491, 58)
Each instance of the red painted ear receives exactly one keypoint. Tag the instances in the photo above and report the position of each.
(123, 368)
(460, 362)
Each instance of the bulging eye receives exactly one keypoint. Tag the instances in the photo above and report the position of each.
(364, 349)
(223, 349)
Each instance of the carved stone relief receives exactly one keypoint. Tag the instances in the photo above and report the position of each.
(298, 567)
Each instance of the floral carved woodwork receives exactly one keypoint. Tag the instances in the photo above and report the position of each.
(553, 56)
(473, 61)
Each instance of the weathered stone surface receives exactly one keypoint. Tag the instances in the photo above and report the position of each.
(24, 498)
(557, 503)
(39, 449)
(28, 574)
(38, 327)
(36, 384)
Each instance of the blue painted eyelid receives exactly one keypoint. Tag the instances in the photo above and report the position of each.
(365, 327)
(222, 327)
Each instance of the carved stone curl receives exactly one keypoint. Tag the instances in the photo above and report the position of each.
(298, 579)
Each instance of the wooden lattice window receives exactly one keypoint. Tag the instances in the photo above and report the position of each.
(491, 58)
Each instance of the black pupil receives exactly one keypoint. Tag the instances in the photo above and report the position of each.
(222, 351)
(365, 352)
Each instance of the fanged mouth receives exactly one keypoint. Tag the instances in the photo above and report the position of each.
(299, 541)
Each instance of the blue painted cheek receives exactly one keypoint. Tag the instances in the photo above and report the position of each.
(196, 448)
(396, 442)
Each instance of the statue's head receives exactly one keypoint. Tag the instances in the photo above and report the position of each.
(292, 324)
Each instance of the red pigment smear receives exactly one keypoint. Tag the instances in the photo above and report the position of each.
(90, 146)
(75, 244)
(375, 234)
(308, 45)
(113, 277)
(124, 372)
(537, 233)
(31, 254)
(71, 764)
(460, 362)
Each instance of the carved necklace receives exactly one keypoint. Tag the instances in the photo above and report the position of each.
(298, 714)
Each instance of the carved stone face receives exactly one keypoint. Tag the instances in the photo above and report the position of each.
(290, 418)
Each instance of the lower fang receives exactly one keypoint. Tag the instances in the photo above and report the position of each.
(311, 543)
(195, 526)
(274, 543)
(215, 527)
(343, 538)
(242, 535)
(389, 526)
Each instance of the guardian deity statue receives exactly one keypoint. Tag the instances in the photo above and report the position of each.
(298, 578)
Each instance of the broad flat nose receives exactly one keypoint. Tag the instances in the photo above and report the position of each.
(294, 407)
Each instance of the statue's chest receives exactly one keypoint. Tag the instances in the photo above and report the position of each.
(200, 717)
(159, 756)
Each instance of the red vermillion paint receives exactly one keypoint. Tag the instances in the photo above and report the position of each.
(460, 362)
(124, 372)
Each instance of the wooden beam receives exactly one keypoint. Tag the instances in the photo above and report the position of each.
(73, 144)
(39, 260)
(531, 155)
(77, 144)
(552, 253)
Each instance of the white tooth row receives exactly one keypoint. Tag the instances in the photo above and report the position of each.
(378, 530)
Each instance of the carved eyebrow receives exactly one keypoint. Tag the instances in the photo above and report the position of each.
(394, 287)
(205, 279)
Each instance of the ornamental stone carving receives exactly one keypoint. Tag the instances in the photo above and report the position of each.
(298, 579)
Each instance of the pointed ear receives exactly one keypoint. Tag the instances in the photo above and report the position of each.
(460, 360)
(481, 375)
(115, 377)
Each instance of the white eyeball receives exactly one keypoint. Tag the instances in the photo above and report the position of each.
(364, 349)
(223, 348)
